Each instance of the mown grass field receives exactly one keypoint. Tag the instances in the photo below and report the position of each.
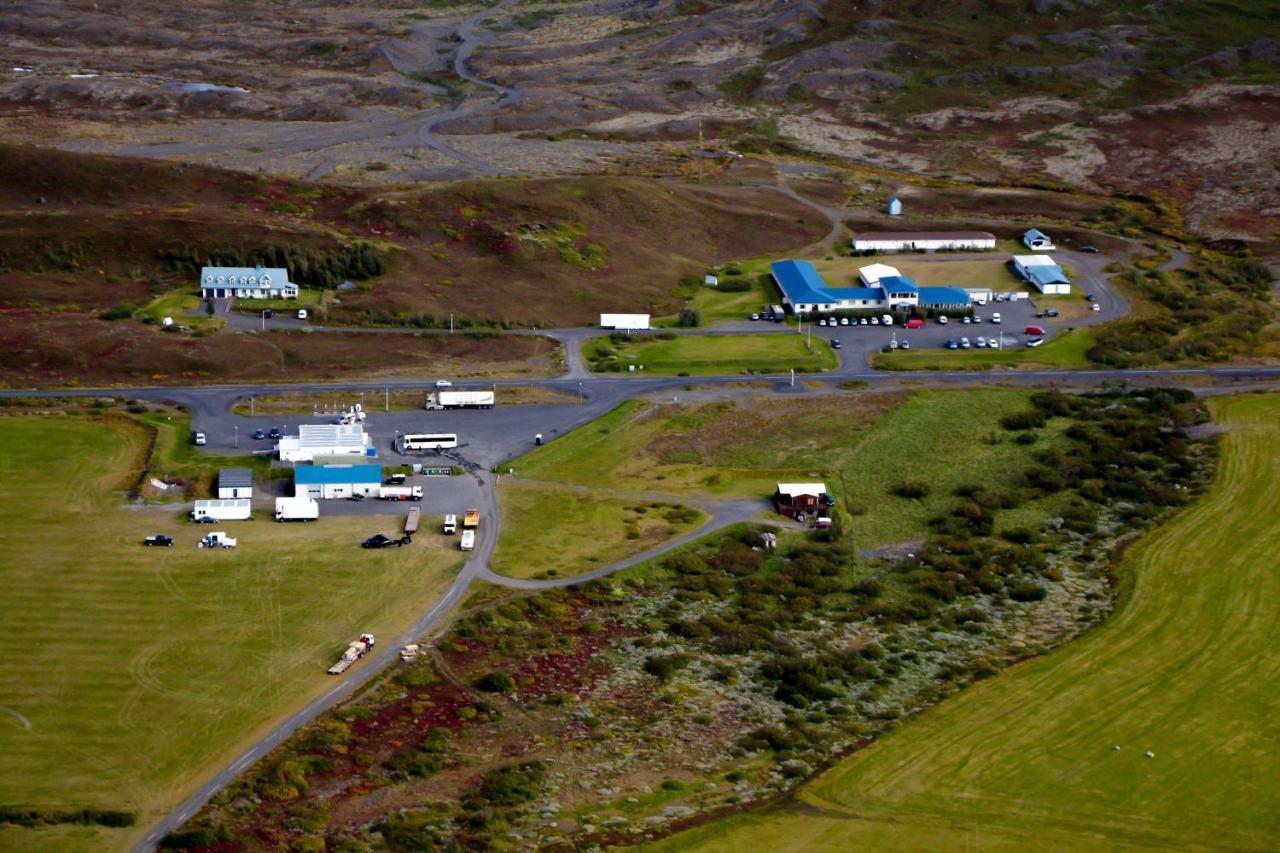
(554, 530)
(862, 446)
(710, 355)
(1066, 349)
(1186, 670)
(140, 669)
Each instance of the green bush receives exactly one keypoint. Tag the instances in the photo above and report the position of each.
(663, 667)
(513, 784)
(119, 311)
(911, 488)
(495, 682)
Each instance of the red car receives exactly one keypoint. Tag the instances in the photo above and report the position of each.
(917, 323)
(1033, 330)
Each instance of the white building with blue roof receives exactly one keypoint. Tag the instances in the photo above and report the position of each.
(1037, 241)
(805, 291)
(1043, 273)
(246, 283)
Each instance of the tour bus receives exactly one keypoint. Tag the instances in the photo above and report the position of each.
(428, 441)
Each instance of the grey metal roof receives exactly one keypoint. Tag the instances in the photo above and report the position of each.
(235, 478)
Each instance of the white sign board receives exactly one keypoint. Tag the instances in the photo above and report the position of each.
(624, 321)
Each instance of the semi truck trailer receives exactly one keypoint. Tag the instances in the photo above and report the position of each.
(459, 400)
(356, 650)
(400, 493)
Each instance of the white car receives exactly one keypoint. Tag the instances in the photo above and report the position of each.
(302, 313)
(942, 321)
(200, 440)
(844, 321)
(443, 383)
(822, 322)
(1096, 307)
(995, 318)
(875, 321)
(887, 320)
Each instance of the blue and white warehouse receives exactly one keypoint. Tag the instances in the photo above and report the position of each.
(882, 288)
(321, 482)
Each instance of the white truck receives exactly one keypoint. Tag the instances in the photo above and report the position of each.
(355, 415)
(236, 509)
(217, 539)
(356, 650)
(297, 509)
(400, 493)
(459, 400)
(468, 542)
(450, 524)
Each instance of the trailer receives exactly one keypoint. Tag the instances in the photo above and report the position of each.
(412, 521)
(356, 650)
(409, 652)
(237, 509)
(439, 400)
(400, 493)
(297, 509)
(472, 518)
(468, 542)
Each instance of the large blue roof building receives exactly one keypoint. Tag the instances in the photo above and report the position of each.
(805, 291)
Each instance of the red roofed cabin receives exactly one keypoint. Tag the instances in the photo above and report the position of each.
(802, 500)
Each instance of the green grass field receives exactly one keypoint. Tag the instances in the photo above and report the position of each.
(141, 669)
(1066, 350)
(710, 355)
(862, 446)
(1187, 670)
(554, 530)
(718, 306)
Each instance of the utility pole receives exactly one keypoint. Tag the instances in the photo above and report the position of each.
(699, 150)
(250, 405)
(793, 377)
(387, 405)
(451, 323)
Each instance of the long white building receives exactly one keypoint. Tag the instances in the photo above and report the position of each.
(929, 241)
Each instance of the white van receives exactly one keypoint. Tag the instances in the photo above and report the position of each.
(468, 542)
(450, 524)
(995, 318)
(887, 320)
(302, 313)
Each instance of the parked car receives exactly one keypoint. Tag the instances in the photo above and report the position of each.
(206, 519)
(1096, 307)
(995, 318)
(1090, 297)
(1034, 342)
(966, 320)
(1052, 312)
(1092, 250)
(199, 439)
(1033, 330)
(396, 480)
(275, 434)
(862, 322)
(893, 344)
(835, 343)
(259, 434)
(844, 321)
(821, 523)
(952, 344)
(379, 540)
(443, 383)
(268, 314)
(356, 496)
(159, 539)
(905, 345)
(977, 319)
(875, 321)
(915, 323)
(980, 342)
(964, 343)
(755, 316)
(822, 322)
(942, 321)
(302, 313)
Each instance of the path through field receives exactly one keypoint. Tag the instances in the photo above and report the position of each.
(1186, 671)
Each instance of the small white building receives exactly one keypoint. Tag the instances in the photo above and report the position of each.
(331, 482)
(235, 483)
(872, 273)
(929, 241)
(1037, 241)
(1043, 273)
(246, 283)
(894, 207)
(313, 440)
(624, 321)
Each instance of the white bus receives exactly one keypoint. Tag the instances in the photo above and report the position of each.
(428, 441)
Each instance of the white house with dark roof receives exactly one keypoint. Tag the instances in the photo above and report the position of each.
(247, 283)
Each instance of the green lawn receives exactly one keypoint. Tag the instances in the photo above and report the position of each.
(1186, 670)
(718, 306)
(307, 297)
(710, 355)
(140, 669)
(182, 306)
(554, 530)
(1065, 350)
(860, 445)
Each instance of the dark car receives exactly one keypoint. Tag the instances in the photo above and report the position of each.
(275, 434)
(395, 480)
(206, 519)
(356, 496)
(828, 500)
(268, 313)
(1052, 312)
(1090, 297)
(159, 539)
(952, 343)
(379, 540)
(835, 344)
(259, 434)
(1092, 250)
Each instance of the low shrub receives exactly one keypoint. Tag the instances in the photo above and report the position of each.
(495, 682)
(911, 489)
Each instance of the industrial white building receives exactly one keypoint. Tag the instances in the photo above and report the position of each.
(235, 483)
(315, 440)
(329, 482)
(624, 321)
(1043, 273)
(929, 241)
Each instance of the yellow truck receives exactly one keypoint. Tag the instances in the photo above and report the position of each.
(471, 519)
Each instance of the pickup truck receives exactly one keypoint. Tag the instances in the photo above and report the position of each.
(216, 540)
(159, 539)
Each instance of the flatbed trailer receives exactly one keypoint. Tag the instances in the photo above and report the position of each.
(412, 521)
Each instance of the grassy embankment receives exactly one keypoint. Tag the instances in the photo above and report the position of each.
(141, 669)
(862, 446)
(1065, 350)
(550, 530)
(1186, 671)
(709, 355)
